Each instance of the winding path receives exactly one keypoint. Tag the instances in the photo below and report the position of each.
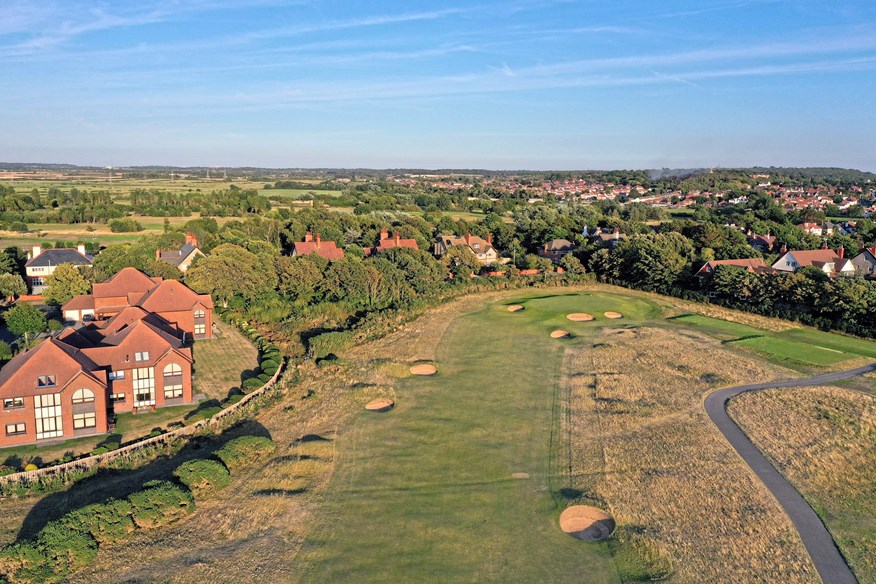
(827, 558)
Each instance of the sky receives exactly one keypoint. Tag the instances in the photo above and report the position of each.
(506, 84)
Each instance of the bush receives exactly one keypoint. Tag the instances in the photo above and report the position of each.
(241, 451)
(126, 225)
(24, 561)
(202, 475)
(160, 503)
(105, 522)
(268, 364)
(19, 226)
(67, 550)
(251, 384)
(30, 466)
(323, 345)
(263, 377)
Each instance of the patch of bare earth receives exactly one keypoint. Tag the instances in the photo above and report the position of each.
(823, 439)
(642, 447)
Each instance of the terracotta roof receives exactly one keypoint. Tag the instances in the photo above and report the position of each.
(79, 302)
(396, 241)
(810, 257)
(750, 264)
(18, 378)
(54, 257)
(326, 249)
(118, 350)
(124, 282)
(483, 246)
(559, 245)
(173, 296)
(128, 316)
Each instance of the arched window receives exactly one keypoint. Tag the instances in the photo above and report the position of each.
(173, 381)
(199, 313)
(83, 396)
(172, 369)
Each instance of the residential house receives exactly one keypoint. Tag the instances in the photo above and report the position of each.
(752, 265)
(386, 242)
(42, 263)
(832, 263)
(71, 385)
(762, 243)
(53, 391)
(608, 239)
(824, 229)
(325, 249)
(190, 314)
(183, 257)
(865, 262)
(555, 249)
(482, 248)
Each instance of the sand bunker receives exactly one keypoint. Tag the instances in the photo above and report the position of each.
(579, 316)
(381, 404)
(613, 315)
(559, 334)
(520, 475)
(515, 308)
(424, 369)
(586, 523)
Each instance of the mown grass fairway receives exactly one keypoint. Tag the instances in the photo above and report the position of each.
(425, 492)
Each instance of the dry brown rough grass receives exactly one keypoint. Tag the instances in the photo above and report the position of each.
(643, 447)
(823, 439)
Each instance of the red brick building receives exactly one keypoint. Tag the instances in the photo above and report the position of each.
(386, 242)
(325, 249)
(190, 314)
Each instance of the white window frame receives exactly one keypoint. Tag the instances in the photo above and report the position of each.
(13, 403)
(83, 396)
(48, 416)
(46, 381)
(144, 386)
(141, 356)
(15, 431)
(85, 420)
(117, 397)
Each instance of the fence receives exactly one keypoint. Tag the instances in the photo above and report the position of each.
(96, 460)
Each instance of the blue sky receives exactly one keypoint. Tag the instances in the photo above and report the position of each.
(508, 84)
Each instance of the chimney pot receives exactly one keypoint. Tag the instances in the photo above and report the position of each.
(37, 250)
(308, 237)
(397, 238)
(318, 240)
(841, 252)
(191, 238)
(384, 234)
(81, 248)
(490, 238)
(157, 254)
(468, 238)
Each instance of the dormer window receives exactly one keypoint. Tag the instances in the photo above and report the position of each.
(46, 381)
(477, 246)
(141, 356)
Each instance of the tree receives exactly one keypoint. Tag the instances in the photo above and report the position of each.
(572, 265)
(12, 285)
(461, 261)
(64, 283)
(24, 320)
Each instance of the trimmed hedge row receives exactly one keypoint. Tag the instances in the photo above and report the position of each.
(270, 356)
(70, 543)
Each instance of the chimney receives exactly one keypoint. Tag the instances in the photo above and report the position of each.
(191, 238)
(841, 251)
(308, 237)
(81, 248)
(468, 239)
(824, 244)
(784, 248)
(384, 234)
(617, 233)
(37, 250)
(157, 254)
(397, 238)
(490, 238)
(318, 239)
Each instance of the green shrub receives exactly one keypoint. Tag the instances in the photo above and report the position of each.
(19, 226)
(263, 377)
(242, 451)
(126, 225)
(100, 450)
(67, 550)
(266, 363)
(160, 503)
(326, 344)
(106, 522)
(270, 370)
(203, 475)
(251, 384)
(24, 561)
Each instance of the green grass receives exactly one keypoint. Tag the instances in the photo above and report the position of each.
(220, 361)
(782, 349)
(424, 493)
(723, 329)
(806, 346)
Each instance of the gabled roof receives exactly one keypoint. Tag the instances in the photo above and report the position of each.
(173, 296)
(395, 241)
(18, 378)
(477, 244)
(53, 257)
(749, 264)
(326, 249)
(124, 282)
(127, 317)
(177, 256)
(560, 245)
(85, 301)
(118, 350)
(809, 257)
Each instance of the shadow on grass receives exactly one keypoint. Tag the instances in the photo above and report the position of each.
(118, 484)
(279, 492)
(204, 410)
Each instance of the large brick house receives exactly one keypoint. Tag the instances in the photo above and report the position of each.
(42, 263)
(71, 385)
(555, 249)
(751, 265)
(386, 243)
(832, 263)
(315, 245)
(174, 302)
(482, 248)
(183, 257)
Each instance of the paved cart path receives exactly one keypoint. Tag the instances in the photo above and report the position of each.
(827, 558)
